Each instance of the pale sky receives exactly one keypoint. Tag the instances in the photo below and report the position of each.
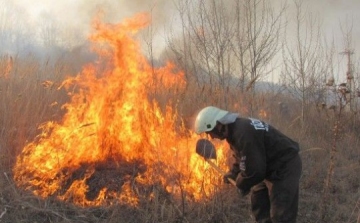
(78, 14)
(83, 10)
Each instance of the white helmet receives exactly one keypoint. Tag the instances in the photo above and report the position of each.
(207, 118)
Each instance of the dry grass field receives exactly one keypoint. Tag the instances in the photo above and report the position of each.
(118, 137)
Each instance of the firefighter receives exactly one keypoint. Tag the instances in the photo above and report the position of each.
(267, 162)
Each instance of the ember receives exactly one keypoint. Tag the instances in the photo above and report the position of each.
(114, 143)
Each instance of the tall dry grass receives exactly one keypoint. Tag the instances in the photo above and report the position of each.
(29, 97)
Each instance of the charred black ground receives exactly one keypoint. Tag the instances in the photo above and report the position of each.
(108, 174)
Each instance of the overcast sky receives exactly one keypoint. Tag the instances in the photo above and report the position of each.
(78, 14)
(334, 13)
(81, 11)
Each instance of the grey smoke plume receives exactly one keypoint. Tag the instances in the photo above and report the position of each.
(67, 22)
(71, 20)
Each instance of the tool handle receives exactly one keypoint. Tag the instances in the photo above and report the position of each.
(220, 171)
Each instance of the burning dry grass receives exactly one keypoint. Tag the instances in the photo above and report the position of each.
(119, 150)
(115, 142)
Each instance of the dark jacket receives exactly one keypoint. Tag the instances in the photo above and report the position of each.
(261, 151)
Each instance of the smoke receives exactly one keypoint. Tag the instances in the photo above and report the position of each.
(79, 14)
(337, 17)
(70, 21)
(67, 24)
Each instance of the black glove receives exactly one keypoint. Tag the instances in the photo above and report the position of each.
(241, 190)
(232, 174)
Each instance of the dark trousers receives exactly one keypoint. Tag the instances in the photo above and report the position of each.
(276, 200)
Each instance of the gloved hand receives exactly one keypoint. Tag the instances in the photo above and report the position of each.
(228, 175)
(232, 174)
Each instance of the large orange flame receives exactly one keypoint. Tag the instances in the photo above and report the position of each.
(115, 139)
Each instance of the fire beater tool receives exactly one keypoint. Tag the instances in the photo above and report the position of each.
(207, 150)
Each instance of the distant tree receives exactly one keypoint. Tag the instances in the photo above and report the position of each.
(303, 58)
(258, 32)
(257, 39)
(49, 33)
(205, 46)
(14, 31)
(352, 77)
(222, 42)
